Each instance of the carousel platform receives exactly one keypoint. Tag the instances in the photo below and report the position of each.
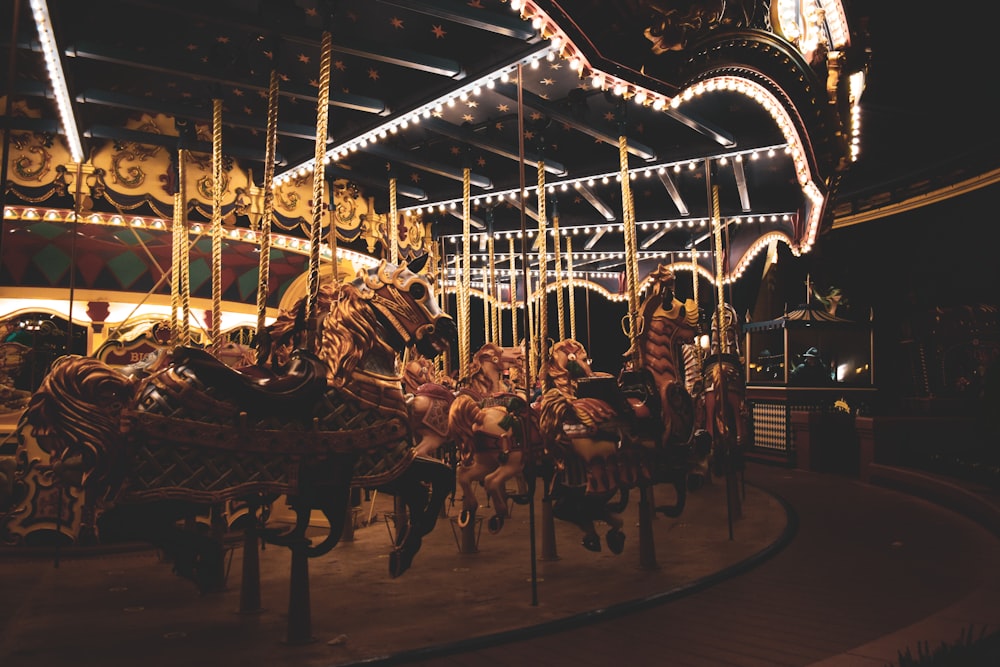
(820, 569)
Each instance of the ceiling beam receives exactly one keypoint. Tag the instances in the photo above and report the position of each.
(656, 236)
(174, 142)
(460, 12)
(720, 137)
(361, 179)
(265, 25)
(598, 233)
(741, 185)
(635, 147)
(119, 101)
(599, 205)
(403, 157)
(473, 220)
(99, 52)
(675, 195)
(466, 135)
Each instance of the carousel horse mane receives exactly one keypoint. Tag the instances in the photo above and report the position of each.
(76, 412)
(478, 379)
(347, 330)
(348, 333)
(693, 365)
(419, 370)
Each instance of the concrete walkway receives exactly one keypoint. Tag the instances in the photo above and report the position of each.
(821, 570)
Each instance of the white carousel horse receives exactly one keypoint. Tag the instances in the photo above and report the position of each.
(494, 430)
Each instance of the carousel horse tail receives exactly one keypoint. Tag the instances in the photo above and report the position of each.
(462, 417)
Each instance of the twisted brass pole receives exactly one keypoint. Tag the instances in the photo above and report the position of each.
(322, 122)
(543, 273)
(393, 224)
(177, 242)
(215, 328)
(560, 308)
(572, 289)
(464, 353)
(494, 296)
(264, 233)
(631, 261)
(513, 292)
(185, 256)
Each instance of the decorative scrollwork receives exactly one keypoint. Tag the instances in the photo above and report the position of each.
(129, 151)
(34, 163)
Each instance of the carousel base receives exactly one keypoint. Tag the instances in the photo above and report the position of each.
(127, 608)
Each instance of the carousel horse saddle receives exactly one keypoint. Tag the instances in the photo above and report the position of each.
(436, 391)
(301, 384)
(604, 388)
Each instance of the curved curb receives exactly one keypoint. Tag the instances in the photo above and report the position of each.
(939, 491)
(595, 615)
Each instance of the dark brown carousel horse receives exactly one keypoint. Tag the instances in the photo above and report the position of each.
(725, 394)
(606, 435)
(102, 456)
(495, 431)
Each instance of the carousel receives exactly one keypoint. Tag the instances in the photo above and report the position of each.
(259, 251)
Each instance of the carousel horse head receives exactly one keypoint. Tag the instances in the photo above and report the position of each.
(727, 340)
(568, 359)
(419, 370)
(488, 365)
(387, 304)
(662, 282)
(405, 303)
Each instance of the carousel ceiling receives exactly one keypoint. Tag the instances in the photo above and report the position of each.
(744, 106)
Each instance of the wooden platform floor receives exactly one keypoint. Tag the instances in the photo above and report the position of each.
(820, 570)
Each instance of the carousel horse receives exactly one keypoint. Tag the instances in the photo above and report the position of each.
(606, 434)
(429, 398)
(694, 382)
(725, 394)
(103, 456)
(583, 436)
(495, 431)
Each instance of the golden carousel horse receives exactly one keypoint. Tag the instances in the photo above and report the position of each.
(104, 457)
(495, 431)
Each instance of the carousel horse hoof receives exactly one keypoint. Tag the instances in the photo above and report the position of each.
(401, 558)
(464, 518)
(616, 540)
(495, 524)
(520, 498)
(592, 543)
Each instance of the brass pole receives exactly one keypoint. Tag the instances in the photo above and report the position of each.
(322, 122)
(264, 233)
(215, 326)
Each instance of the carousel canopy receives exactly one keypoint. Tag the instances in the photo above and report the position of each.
(754, 102)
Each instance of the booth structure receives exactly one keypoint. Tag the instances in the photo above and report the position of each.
(807, 373)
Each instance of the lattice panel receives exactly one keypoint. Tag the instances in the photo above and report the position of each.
(770, 425)
(162, 465)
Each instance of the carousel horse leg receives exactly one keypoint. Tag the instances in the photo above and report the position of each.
(423, 507)
(496, 488)
(466, 475)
